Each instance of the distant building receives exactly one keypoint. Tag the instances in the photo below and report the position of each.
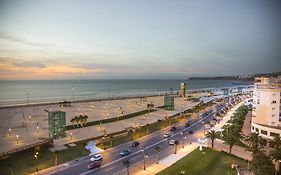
(169, 102)
(182, 90)
(225, 92)
(266, 120)
(57, 124)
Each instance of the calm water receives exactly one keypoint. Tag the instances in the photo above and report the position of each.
(14, 92)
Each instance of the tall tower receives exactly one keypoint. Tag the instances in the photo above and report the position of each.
(182, 89)
(57, 124)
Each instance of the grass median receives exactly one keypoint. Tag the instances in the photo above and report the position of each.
(206, 162)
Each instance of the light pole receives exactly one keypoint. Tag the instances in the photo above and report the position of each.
(36, 155)
(27, 96)
(37, 128)
(30, 118)
(10, 131)
(71, 136)
(144, 156)
(182, 140)
(73, 97)
(17, 138)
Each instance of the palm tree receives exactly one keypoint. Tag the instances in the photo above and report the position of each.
(255, 142)
(275, 153)
(126, 163)
(212, 135)
(231, 137)
(157, 150)
(56, 157)
(176, 146)
(72, 121)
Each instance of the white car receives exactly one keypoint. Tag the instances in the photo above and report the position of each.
(167, 135)
(172, 142)
(96, 157)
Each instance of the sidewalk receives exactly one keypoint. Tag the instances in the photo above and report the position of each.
(168, 161)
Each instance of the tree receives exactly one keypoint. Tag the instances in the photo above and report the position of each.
(275, 153)
(126, 163)
(255, 142)
(212, 135)
(157, 150)
(176, 146)
(56, 157)
(262, 164)
(231, 137)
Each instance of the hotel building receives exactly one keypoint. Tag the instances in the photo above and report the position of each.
(266, 119)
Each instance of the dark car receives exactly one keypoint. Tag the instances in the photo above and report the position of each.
(173, 128)
(125, 152)
(190, 132)
(94, 165)
(187, 125)
(134, 144)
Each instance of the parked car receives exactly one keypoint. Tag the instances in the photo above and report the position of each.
(190, 132)
(187, 125)
(172, 142)
(94, 165)
(96, 157)
(135, 143)
(167, 135)
(125, 152)
(173, 128)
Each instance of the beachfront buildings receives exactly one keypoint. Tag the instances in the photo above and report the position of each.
(182, 89)
(57, 124)
(266, 119)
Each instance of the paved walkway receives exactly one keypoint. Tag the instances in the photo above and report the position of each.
(168, 161)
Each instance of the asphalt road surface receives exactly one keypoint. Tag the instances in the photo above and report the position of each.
(112, 163)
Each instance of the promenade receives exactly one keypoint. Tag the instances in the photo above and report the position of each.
(31, 123)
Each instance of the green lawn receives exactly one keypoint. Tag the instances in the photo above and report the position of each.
(207, 162)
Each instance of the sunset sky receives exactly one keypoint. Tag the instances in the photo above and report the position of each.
(86, 39)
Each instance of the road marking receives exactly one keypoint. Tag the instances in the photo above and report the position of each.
(191, 126)
(136, 157)
(109, 169)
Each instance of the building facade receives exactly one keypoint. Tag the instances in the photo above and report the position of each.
(57, 124)
(169, 102)
(182, 89)
(266, 111)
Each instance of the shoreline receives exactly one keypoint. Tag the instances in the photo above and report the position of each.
(13, 105)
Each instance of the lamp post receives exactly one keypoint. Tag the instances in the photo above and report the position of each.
(30, 118)
(37, 128)
(17, 138)
(36, 155)
(71, 136)
(73, 97)
(182, 140)
(144, 156)
(10, 131)
(27, 96)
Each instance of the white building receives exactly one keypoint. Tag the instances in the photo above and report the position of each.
(266, 112)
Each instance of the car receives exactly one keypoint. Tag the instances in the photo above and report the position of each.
(190, 132)
(172, 142)
(94, 165)
(187, 125)
(96, 157)
(167, 135)
(173, 128)
(135, 144)
(125, 152)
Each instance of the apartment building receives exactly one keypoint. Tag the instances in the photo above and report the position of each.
(266, 109)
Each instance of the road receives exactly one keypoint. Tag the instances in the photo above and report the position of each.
(112, 163)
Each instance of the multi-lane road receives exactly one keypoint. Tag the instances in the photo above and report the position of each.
(112, 163)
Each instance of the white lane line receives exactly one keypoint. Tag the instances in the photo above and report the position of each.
(136, 157)
(109, 169)
(87, 172)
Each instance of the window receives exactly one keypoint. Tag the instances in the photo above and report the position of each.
(253, 128)
(263, 132)
(258, 101)
(273, 134)
(274, 101)
(257, 130)
(273, 109)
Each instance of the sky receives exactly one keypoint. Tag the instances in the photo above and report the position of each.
(88, 39)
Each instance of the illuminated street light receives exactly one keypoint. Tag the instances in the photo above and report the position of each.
(36, 155)
(30, 118)
(17, 138)
(71, 136)
(37, 128)
(10, 131)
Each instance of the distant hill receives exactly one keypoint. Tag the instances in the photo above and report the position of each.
(248, 78)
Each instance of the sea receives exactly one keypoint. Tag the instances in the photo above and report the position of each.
(14, 92)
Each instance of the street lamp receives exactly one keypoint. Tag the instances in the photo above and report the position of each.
(71, 136)
(17, 138)
(36, 155)
(144, 156)
(10, 131)
(30, 118)
(27, 96)
(37, 128)
(182, 140)
(73, 97)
